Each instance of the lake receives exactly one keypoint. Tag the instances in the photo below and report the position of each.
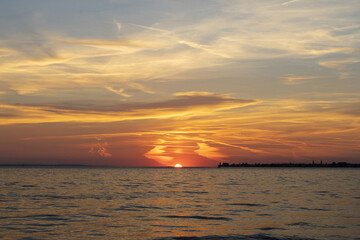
(187, 203)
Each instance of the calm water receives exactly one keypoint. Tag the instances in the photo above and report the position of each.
(158, 203)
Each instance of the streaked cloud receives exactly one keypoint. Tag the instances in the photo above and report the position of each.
(119, 92)
(292, 79)
(209, 152)
(140, 87)
(182, 40)
(186, 105)
(290, 2)
(193, 82)
(338, 63)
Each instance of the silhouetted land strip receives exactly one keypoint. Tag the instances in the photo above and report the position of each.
(221, 165)
(297, 165)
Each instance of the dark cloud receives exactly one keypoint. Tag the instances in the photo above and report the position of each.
(182, 102)
(9, 113)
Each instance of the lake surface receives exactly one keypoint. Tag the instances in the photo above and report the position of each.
(166, 203)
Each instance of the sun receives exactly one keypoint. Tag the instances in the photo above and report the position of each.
(178, 165)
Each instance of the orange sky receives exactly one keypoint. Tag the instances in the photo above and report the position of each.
(154, 83)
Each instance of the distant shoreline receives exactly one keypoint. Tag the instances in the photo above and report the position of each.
(291, 165)
(221, 165)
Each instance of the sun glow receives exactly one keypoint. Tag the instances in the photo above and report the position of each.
(178, 165)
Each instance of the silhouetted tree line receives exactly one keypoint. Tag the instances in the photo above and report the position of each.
(304, 165)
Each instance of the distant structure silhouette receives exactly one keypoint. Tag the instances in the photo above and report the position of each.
(300, 165)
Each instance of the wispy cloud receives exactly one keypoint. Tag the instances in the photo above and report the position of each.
(278, 130)
(140, 87)
(290, 2)
(159, 154)
(61, 86)
(185, 105)
(293, 79)
(166, 50)
(118, 25)
(338, 63)
(210, 152)
(154, 29)
(107, 44)
(118, 92)
(189, 43)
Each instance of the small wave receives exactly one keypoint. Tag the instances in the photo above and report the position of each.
(241, 210)
(68, 183)
(314, 209)
(305, 224)
(146, 207)
(47, 217)
(168, 226)
(300, 224)
(99, 215)
(52, 196)
(199, 217)
(32, 230)
(321, 192)
(133, 208)
(238, 237)
(270, 228)
(47, 225)
(196, 192)
(11, 183)
(247, 204)
(125, 209)
(96, 234)
(118, 226)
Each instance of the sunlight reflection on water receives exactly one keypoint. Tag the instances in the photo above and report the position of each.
(149, 203)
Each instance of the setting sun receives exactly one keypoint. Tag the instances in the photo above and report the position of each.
(178, 165)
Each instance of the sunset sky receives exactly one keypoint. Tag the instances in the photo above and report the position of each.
(160, 82)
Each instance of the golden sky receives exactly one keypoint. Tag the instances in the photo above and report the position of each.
(155, 83)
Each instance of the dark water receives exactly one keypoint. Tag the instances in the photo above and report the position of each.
(156, 203)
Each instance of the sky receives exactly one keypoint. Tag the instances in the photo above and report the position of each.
(161, 82)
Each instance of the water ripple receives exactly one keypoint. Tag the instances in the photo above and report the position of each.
(237, 237)
(198, 217)
(138, 203)
(247, 204)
